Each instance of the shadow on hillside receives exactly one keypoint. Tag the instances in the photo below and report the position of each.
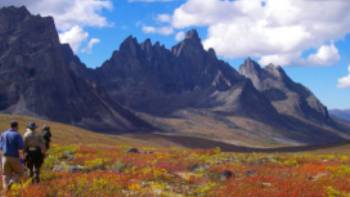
(200, 143)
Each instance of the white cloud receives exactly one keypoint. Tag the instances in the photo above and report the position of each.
(326, 55)
(344, 82)
(166, 30)
(71, 16)
(149, 1)
(91, 44)
(278, 59)
(164, 18)
(274, 30)
(180, 36)
(68, 13)
(74, 36)
(148, 29)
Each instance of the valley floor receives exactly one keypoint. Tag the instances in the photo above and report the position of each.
(82, 170)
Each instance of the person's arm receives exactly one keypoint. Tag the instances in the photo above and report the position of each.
(21, 155)
(1, 142)
(20, 147)
(42, 146)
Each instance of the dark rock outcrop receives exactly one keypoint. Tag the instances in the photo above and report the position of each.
(40, 77)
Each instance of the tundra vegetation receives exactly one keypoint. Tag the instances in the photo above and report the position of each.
(121, 170)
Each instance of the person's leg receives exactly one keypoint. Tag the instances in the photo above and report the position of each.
(37, 165)
(30, 165)
(6, 173)
(47, 144)
(36, 177)
(6, 180)
(17, 168)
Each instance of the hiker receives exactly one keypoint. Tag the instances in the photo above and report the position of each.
(11, 146)
(34, 148)
(46, 135)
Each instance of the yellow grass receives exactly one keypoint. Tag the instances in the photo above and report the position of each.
(64, 134)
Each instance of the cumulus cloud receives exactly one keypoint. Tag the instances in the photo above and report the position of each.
(164, 18)
(68, 13)
(71, 17)
(279, 59)
(166, 30)
(149, 1)
(74, 36)
(344, 82)
(326, 55)
(91, 44)
(272, 30)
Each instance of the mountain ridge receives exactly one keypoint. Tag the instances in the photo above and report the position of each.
(343, 114)
(147, 86)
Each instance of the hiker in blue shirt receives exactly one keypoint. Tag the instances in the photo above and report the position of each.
(11, 146)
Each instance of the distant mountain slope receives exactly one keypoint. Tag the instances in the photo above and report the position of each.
(38, 77)
(287, 96)
(342, 114)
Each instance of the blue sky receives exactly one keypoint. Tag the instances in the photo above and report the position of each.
(127, 19)
(313, 48)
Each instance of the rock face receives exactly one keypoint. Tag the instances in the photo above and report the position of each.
(38, 77)
(152, 79)
(288, 97)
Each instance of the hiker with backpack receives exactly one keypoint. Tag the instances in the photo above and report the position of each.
(35, 149)
(11, 146)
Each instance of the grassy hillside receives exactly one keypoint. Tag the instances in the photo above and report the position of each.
(64, 134)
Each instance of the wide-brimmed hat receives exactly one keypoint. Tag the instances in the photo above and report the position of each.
(31, 125)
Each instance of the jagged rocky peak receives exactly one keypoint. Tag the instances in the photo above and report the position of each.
(250, 67)
(192, 35)
(129, 47)
(18, 21)
(191, 44)
(276, 71)
(130, 41)
(255, 72)
(146, 45)
(212, 52)
(14, 12)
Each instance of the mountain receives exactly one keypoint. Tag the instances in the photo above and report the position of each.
(288, 97)
(341, 114)
(186, 90)
(38, 77)
(152, 79)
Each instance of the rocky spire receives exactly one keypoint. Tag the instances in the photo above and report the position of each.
(129, 46)
(192, 43)
(251, 69)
